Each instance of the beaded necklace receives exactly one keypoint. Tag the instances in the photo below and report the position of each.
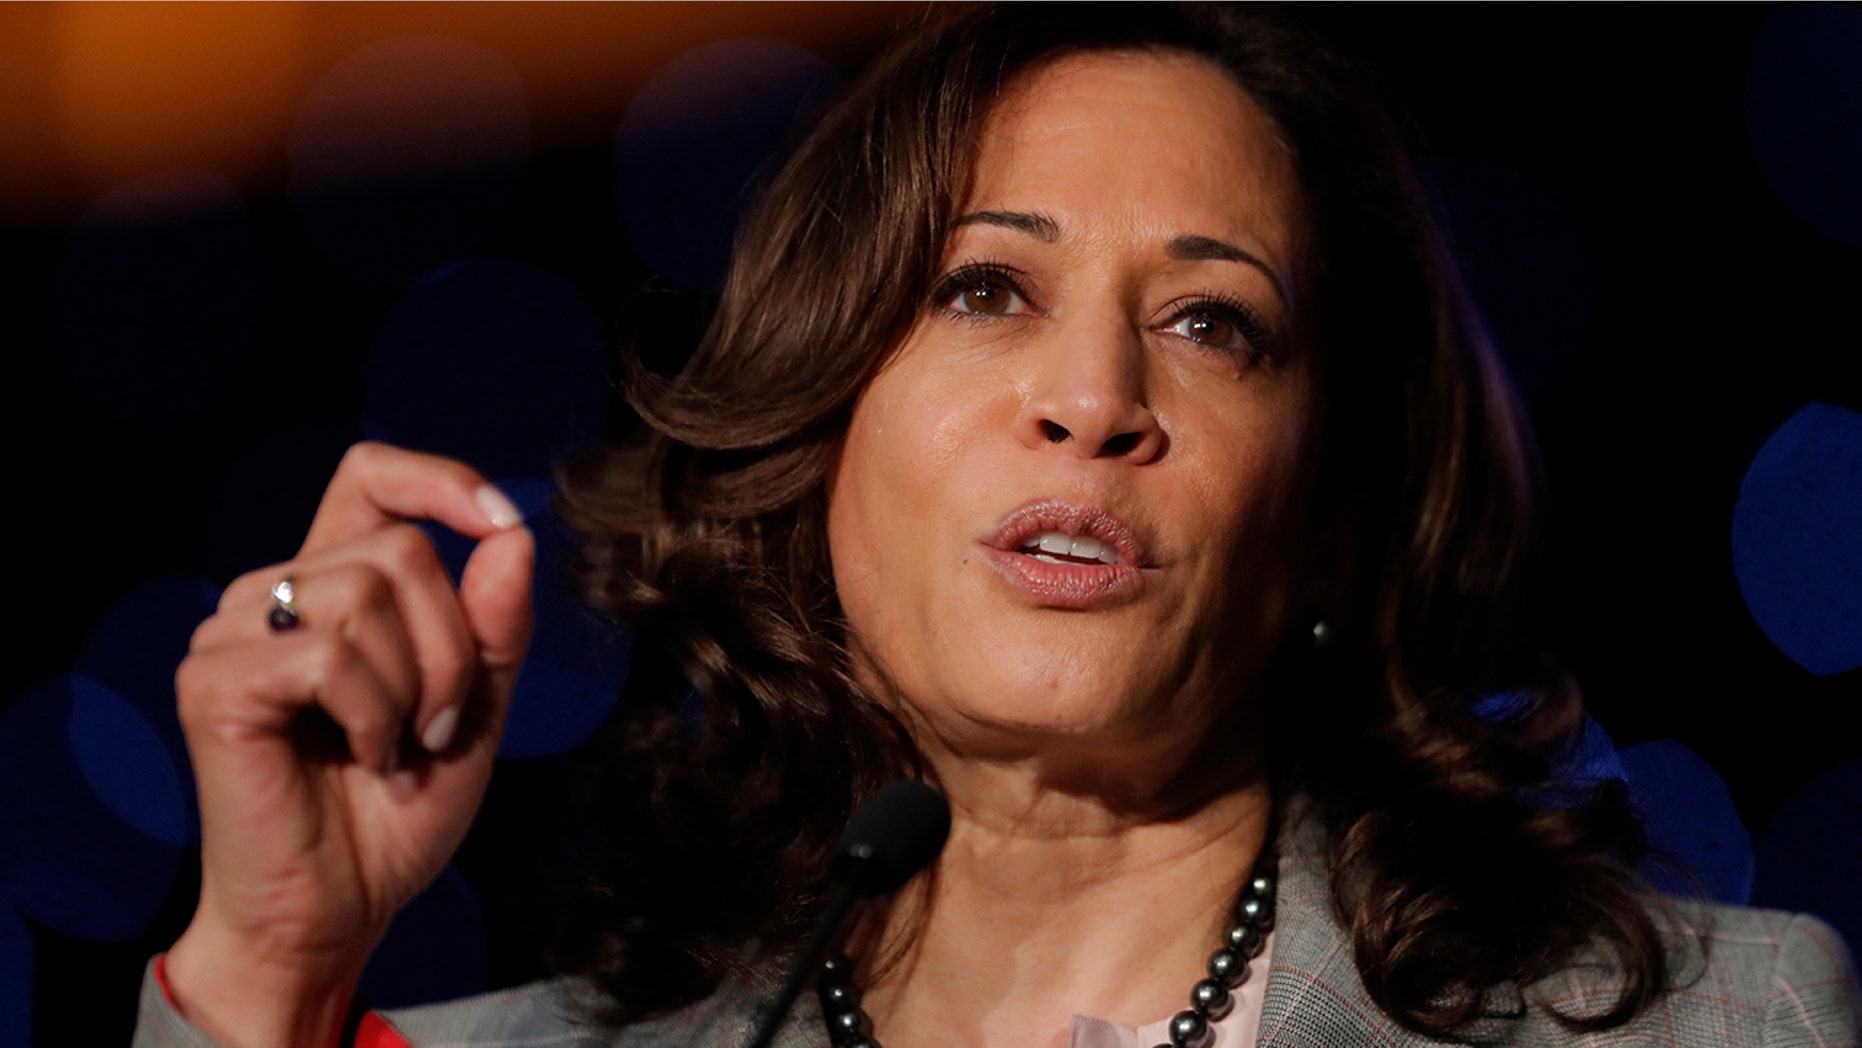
(1210, 999)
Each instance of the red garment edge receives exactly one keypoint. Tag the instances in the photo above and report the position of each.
(372, 1032)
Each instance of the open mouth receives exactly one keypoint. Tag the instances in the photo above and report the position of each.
(1054, 547)
(1068, 556)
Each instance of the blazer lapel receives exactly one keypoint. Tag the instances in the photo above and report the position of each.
(1314, 996)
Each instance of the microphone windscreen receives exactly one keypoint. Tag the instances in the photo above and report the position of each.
(892, 837)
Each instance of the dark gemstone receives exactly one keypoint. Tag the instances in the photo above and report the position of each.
(1228, 966)
(282, 619)
(1188, 1030)
(1211, 997)
(1252, 909)
(847, 1026)
(1244, 939)
(836, 970)
(839, 997)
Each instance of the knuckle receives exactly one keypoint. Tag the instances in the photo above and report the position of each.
(207, 689)
(207, 635)
(330, 660)
(194, 684)
(362, 456)
(408, 550)
(359, 588)
(249, 587)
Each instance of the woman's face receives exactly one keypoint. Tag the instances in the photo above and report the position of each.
(1067, 509)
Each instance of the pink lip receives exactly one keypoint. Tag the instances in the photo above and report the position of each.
(1068, 585)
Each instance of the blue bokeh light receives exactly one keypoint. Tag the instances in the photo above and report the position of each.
(159, 292)
(66, 860)
(128, 765)
(499, 363)
(1797, 538)
(577, 661)
(1586, 757)
(1590, 756)
(407, 154)
(1525, 260)
(1803, 103)
(435, 949)
(694, 142)
(1808, 856)
(16, 979)
(1689, 814)
(133, 650)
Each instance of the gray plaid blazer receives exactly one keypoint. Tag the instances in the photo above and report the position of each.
(1767, 979)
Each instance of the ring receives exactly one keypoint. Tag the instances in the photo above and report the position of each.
(284, 616)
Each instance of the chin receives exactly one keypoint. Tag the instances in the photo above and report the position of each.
(1072, 704)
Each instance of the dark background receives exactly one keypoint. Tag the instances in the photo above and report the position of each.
(428, 230)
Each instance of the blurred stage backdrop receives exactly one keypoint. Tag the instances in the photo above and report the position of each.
(238, 238)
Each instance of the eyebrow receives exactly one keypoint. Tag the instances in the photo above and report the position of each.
(1191, 248)
(1040, 227)
(1186, 248)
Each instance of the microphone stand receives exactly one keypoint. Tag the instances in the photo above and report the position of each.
(892, 837)
(773, 1013)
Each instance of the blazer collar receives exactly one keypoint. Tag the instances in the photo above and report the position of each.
(1314, 994)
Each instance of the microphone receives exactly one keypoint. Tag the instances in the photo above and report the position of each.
(888, 840)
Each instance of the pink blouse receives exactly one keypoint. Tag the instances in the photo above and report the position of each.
(1237, 1029)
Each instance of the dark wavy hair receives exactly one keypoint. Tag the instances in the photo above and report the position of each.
(1459, 865)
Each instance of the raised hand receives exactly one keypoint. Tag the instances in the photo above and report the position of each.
(341, 756)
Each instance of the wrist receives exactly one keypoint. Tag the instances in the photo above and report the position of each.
(245, 995)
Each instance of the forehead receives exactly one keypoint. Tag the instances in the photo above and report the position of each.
(1140, 143)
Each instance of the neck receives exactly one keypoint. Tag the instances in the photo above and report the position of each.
(1056, 896)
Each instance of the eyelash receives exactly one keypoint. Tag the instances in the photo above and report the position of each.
(972, 275)
(1215, 304)
(1229, 310)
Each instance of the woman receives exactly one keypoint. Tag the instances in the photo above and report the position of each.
(1092, 428)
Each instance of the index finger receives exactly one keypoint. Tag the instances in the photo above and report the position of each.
(377, 485)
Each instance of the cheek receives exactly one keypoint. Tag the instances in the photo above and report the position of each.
(1254, 489)
(871, 510)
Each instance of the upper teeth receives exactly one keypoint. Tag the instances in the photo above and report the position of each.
(1084, 548)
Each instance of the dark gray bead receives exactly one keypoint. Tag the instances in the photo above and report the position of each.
(847, 1026)
(1262, 886)
(1188, 1030)
(1244, 939)
(839, 997)
(1210, 997)
(836, 970)
(1228, 966)
(1252, 909)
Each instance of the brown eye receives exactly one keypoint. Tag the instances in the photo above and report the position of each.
(980, 291)
(986, 298)
(1219, 324)
(1209, 330)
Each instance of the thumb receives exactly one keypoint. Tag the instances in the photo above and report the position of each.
(495, 595)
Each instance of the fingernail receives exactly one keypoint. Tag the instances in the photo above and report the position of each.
(439, 733)
(502, 511)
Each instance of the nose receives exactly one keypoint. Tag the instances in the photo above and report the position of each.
(1087, 395)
